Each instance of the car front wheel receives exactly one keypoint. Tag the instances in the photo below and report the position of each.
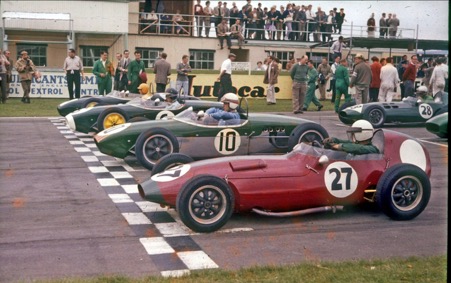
(153, 145)
(111, 117)
(205, 203)
(375, 115)
(403, 191)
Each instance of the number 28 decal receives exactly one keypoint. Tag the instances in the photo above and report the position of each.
(227, 141)
(425, 110)
(340, 179)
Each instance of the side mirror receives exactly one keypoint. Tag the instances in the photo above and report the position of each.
(323, 160)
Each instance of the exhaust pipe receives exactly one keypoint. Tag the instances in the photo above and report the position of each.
(298, 212)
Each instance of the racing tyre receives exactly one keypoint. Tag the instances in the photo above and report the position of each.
(307, 132)
(91, 102)
(170, 161)
(205, 203)
(137, 119)
(111, 117)
(375, 115)
(403, 191)
(153, 145)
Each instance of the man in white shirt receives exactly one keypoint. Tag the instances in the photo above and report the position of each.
(337, 47)
(389, 80)
(225, 77)
(332, 81)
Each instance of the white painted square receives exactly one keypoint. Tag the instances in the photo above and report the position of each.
(98, 153)
(121, 175)
(147, 206)
(110, 163)
(197, 260)
(105, 182)
(156, 245)
(130, 189)
(70, 136)
(98, 169)
(172, 229)
(120, 198)
(86, 139)
(89, 158)
(91, 145)
(82, 149)
(66, 132)
(63, 127)
(76, 142)
(175, 273)
(136, 218)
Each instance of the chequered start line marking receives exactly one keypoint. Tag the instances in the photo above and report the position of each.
(168, 243)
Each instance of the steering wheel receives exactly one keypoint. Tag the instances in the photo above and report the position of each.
(316, 143)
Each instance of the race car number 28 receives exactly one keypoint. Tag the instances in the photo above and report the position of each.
(227, 141)
(426, 111)
(340, 179)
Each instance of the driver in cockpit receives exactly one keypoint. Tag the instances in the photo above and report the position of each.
(228, 115)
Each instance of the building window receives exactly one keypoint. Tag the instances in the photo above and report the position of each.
(90, 54)
(284, 56)
(36, 52)
(201, 59)
(149, 55)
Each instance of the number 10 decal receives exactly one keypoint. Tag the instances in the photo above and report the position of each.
(340, 179)
(227, 141)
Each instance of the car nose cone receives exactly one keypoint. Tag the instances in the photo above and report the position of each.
(150, 191)
(70, 122)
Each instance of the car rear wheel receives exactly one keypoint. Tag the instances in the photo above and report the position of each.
(375, 115)
(91, 102)
(307, 132)
(111, 117)
(169, 161)
(153, 145)
(403, 191)
(205, 203)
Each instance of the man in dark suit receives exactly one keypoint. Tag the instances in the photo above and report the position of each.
(162, 70)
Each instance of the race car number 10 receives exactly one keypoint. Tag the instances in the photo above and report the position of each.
(227, 141)
(340, 179)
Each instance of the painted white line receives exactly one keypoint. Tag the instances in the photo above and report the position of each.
(120, 198)
(98, 153)
(156, 245)
(106, 182)
(235, 230)
(197, 260)
(76, 142)
(436, 143)
(172, 229)
(91, 145)
(175, 273)
(70, 136)
(136, 218)
(110, 163)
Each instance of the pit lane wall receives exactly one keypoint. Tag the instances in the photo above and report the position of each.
(54, 85)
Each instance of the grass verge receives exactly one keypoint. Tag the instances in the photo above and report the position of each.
(413, 269)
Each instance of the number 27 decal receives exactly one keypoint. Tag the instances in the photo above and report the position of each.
(340, 179)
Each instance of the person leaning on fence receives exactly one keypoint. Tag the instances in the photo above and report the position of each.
(199, 16)
(236, 31)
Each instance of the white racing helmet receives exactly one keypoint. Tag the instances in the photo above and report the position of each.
(230, 98)
(361, 130)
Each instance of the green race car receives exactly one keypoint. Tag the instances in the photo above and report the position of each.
(186, 133)
(438, 125)
(410, 110)
(99, 118)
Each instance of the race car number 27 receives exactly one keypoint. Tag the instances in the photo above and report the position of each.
(227, 141)
(340, 179)
(426, 111)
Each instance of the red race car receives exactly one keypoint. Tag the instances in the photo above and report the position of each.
(310, 178)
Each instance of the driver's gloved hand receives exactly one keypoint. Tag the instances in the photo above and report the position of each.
(328, 140)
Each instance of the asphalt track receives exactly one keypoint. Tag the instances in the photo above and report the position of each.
(61, 216)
